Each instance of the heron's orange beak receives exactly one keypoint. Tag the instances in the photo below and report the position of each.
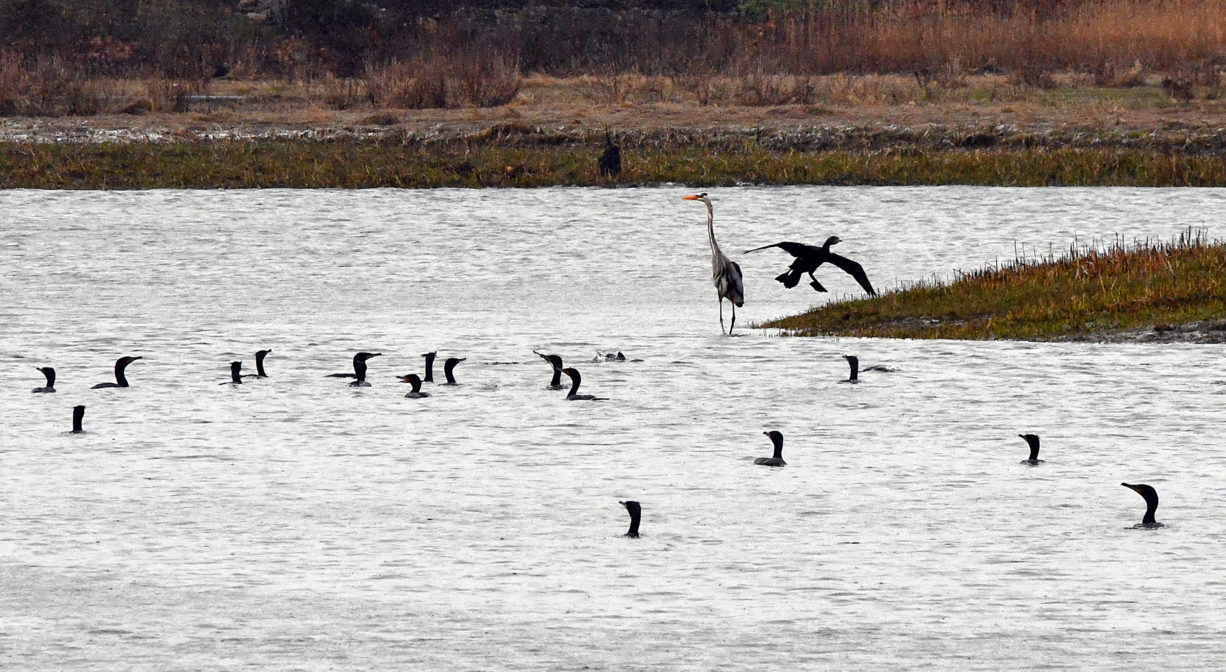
(691, 197)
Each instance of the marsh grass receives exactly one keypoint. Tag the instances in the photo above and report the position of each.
(522, 155)
(1086, 291)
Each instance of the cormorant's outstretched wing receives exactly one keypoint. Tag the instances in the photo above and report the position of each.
(855, 270)
(794, 249)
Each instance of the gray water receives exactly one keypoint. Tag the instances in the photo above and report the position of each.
(295, 523)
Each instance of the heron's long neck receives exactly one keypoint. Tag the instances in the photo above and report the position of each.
(711, 232)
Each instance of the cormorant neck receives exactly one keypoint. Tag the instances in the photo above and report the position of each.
(429, 367)
(855, 368)
(634, 527)
(416, 383)
(259, 364)
(1150, 507)
(556, 381)
(120, 378)
(78, 413)
(235, 367)
(574, 385)
(50, 374)
(359, 369)
(778, 441)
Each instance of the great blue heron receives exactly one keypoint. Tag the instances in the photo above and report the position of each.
(724, 272)
(809, 257)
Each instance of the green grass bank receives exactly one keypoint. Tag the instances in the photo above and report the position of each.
(350, 163)
(1084, 295)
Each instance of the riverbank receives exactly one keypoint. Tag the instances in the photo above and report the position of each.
(1150, 293)
(987, 132)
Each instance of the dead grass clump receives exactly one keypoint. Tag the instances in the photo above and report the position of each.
(488, 81)
(47, 86)
(410, 85)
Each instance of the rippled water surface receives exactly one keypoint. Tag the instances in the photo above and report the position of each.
(298, 523)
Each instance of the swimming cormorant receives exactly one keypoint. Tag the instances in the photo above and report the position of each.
(573, 395)
(1032, 440)
(725, 273)
(120, 380)
(449, 367)
(1151, 505)
(259, 365)
(555, 362)
(808, 258)
(636, 512)
(416, 392)
(236, 378)
(775, 460)
(855, 368)
(430, 366)
(50, 375)
(359, 369)
(78, 413)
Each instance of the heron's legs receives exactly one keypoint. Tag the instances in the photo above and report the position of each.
(721, 315)
(733, 325)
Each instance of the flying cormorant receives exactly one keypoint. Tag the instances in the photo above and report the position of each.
(808, 258)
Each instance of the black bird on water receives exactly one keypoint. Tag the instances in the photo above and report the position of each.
(610, 161)
(415, 393)
(555, 362)
(1032, 440)
(449, 368)
(120, 380)
(430, 366)
(359, 369)
(808, 258)
(1151, 505)
(49, 373)
(775, 460)
(575, 379)
(636, 512)
(259, 365)
(78, 413)
(236, 378)
(854, 362)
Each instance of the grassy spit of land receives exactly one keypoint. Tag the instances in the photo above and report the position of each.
(1172, 291)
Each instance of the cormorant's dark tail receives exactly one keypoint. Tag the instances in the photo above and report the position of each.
(789, 279)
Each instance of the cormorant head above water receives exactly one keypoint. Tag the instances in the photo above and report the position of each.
(1151, 504)
(430, 366)
(259, 363)
(416, 392)
(854, 362)
(78, 413)
(575, 379)
(555, 362)
(449, 367)
(49, 374)
(1032, 440)
(775, 460)
(120, 379)
(636, 513)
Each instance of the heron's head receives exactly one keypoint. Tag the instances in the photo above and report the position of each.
(698, 197)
